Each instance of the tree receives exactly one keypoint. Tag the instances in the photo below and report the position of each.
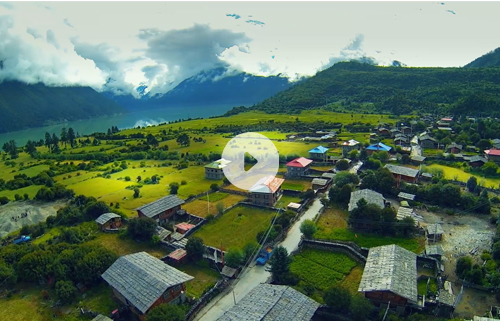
(490, 168)
(174, 188)
(10, 148)
(48, 140)
(7, 276)
(195, 248)
(234, 258)
(30, 148)
(337, 298)
(342, 165)
(280, 264)
(344, 178)
(95, 209)
(383, 156)
(495, 251)
(142, 228)
(183, 140)
(464, 265)
(55, 143)
(360, 308)
(484, 144)
(136, 192)
(405, 159)
(64, 136)
(363, 155)
(385, 181)
(151, 140)
(308, 228)
(166, 312)
(71, 137)
(214, 187)
(471, 183)
(250, 249)
(353, 154)
(65, 291)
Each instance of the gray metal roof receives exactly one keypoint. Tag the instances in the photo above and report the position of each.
(426, 137)
(434, 229)
(104, 218)
(228, 271)
(268, 302)
(477, 158)
(328, 175)
(454, 145)
(371, 197)
(406, 196)
(391, 268)
(101, 317)
(446, 297)
(319, 181)
(401, 170)
(434, 249)
(160, 205)
(142, 278)
(418, 158)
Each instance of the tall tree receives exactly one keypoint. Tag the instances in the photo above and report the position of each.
(195, 248)
(55, 143)
(10, 147)
(48, 140)
(337, 298)
(183, 140)
(71, 137)
(64, 136)
(280, 264)
(30, 148)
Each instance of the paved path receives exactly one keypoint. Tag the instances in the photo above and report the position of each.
(255, 274)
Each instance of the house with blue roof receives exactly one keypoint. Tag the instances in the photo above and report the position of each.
(318, 153)
(378, 147)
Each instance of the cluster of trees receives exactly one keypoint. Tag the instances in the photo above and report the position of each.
(142, 228)
(22, 180)
(340, 300)
(80, 209)
(10, 148)
(394, 89)
(343, 184)
(296, 126)
(56, 192)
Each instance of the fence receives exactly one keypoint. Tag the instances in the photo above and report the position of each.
(230, 191)
(352, 250)
(205, 298)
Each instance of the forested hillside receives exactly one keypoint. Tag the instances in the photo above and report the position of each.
(491, 59)
(394, 89)
(26, 106)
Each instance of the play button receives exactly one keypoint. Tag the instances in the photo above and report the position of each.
(257, 146)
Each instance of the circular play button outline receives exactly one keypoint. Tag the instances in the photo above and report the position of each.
(259, 147)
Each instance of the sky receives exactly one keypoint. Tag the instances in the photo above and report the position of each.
(120, 46)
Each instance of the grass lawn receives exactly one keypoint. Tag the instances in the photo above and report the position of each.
(332, 225)
(285, 200)
(322, 269)
(236, 227)
(422, 287)
(204, 278)
(296, 184)
(214, 197)
(75, 178)
(30, 190)
(456, 173)
(47, 236)
(124, 246)
(275, 135)
(199, 207)
(23, 306)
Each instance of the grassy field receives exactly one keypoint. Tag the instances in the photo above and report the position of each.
(285, 200)
(204, 278)
(236, 227)
(460, 175)
(30, 190)
(332, 225)
(296, 185)
(321, 270)
(200, 207)
(124, 246)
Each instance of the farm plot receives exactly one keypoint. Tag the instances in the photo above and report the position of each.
(296, 185)
(460, 175)
(201, 207)
(236, 227)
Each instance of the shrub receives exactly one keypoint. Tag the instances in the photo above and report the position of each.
(17, 197)
(4, 200)
(337, 298)
(308, 228)
(65, 291)
(183, 182)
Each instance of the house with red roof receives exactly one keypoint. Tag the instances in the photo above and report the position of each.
(493, 155)
(298, 167)
(267, 191)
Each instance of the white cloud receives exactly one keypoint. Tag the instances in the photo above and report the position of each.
(120, 46)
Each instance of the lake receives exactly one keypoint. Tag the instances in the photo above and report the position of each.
(123, 121)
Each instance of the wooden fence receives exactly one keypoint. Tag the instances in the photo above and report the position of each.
(205, 298)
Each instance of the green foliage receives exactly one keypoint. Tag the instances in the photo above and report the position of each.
(195, 248)
(234, 258)
(342, 165)
(142, 228)
(308, 228)
(183, 140)
(344, 178)
(250, 249)
(65, 291)
(174, 188)
(280, 264)
(8, 276)
(220, 208)
(337, 298)
(490, 169)
(137, 192)
(360, 308)
(214, 187)
(166, 312)
(471, 183)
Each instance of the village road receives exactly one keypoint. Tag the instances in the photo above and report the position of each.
(254, 275)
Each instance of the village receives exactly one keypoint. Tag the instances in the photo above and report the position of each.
(366, 216)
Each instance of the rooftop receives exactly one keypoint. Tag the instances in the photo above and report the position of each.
(446, 297)
(299, 162)
(319, 150)
(434, 249)
(418, 158)
(434, 229)
(477, 158)
(178, 254)
(328, 175)
(379, 146)
(401, 170)
(218, 164)
(160, 205)
(426, 137)
(391, 268)
(455, 145)
(184, 226)
(142, 278)
(268, 184)
(228, 271)
(350, 142)
(106, 217)
(406, 196)
(493, 152)
(371, 197)
(319, 181)
(101, 317)
(269, 302)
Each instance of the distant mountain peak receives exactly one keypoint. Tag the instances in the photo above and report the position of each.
(491, 59)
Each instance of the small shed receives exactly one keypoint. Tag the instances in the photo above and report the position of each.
(434, 232)
(293, 206)
(404, 212)
(109, 221)
(163, 233)
(177, 256)
(417, 159)
(319, 183)
(183, 227)
(328, 176)
(406, 196)
(434, 250)
(229, 272)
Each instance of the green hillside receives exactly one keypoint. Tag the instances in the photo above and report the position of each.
(398, 90)
(26, 106)
(491, 59)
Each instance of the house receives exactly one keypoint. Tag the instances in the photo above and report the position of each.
(318, 153)
(163, 233)
(434, 250)
(298, 167)
(402, 173)
(108, 221)
(395, 132)
(349, 146)
(446, 303)
(401, 141)
(162, 209)
(427, 141)
(293, 206)
(378, 147)
(404, 212)
(493, 155)
(319, 183)
(178, 256)
(454, 148)
(434, 232)
(267, 191)
(390, 276)
(426, 176)
(229, 272)
(183, 227)
(268, 302)
(384, 132)
(477, 161)
(215, 170)
(141, 281)
(371, 197)
(406, 130)
(328, 176)
(445, 129)
(101, 317)
(418, 159)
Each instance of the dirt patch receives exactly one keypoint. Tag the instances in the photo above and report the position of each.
(12, 218)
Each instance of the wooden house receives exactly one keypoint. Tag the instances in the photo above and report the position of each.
(109, 221)
(377, 148)
(384, 132)
(215, 170)
(434, 233)
(141, 281)
(477, 161)
(162, 209)
(267, 191)
(183, 227)
(402, 173)
(427, 141)
(454, 148)
(390, 276)
(298, 167)
(178, 256)
(493, 155)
